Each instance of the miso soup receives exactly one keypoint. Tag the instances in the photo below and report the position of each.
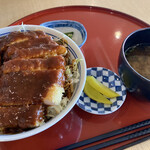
(138, 57)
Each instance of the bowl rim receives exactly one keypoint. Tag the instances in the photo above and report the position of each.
(123, 53)
(75, 97)
(54, 22)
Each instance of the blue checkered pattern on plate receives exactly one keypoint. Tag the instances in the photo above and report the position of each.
(111, 80)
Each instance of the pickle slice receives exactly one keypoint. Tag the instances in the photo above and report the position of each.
(100, 87)
(95, 95)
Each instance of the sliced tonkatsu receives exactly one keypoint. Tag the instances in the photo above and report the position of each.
(21, 116)
(19, 37)
(15, 65)
(33, 52)
(26, 88)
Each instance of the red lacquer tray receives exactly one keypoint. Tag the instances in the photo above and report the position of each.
(106, 30)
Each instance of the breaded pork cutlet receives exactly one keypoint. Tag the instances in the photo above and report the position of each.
(18, 37)
(25, 88)
(29, 45)
(33, 52)
(15, 65)
(35, 42)
(21, 116)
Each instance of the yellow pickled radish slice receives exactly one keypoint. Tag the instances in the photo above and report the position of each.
(95, 95)
(100, 87)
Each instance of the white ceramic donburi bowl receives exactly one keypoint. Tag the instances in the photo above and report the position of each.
(75, 53)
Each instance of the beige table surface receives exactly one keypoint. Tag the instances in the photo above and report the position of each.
(12, 10)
